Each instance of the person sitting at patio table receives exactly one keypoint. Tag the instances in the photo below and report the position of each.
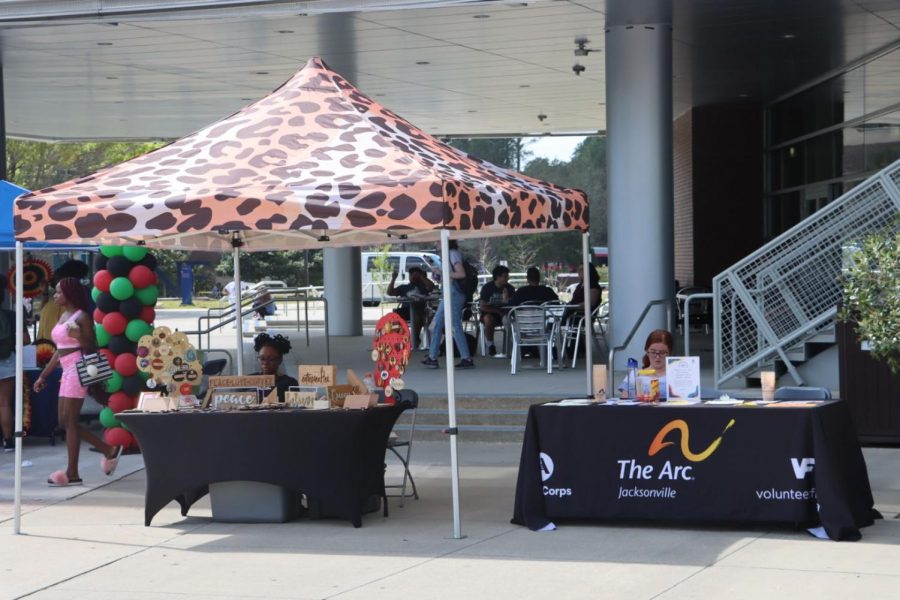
(576, 304)
(270, 351)
(534, 292)
(495, 295)
(415, 291)
(657, 348)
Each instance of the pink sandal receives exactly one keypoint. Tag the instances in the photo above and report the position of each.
(109, 465)
(60, 479)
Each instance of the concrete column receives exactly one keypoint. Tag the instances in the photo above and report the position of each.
(343, 290)
(639, 164)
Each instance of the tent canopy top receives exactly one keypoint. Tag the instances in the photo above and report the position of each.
(315, 163)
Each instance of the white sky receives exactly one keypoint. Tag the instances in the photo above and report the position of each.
(554, 148)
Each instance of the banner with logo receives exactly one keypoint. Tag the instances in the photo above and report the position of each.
(681, 463)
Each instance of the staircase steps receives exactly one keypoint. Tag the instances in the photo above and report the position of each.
(479, 419)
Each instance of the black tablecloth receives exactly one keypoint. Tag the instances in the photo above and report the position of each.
(333, 456)
(771, 464)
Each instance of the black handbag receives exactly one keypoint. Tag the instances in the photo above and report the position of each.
(103, 373)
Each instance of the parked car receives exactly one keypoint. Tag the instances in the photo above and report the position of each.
(375, 282)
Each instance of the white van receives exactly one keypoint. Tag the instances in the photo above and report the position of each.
(375, 281)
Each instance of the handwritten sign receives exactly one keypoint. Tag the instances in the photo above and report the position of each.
(337, 394)
(260, 381)
(319, 375)
(300, 399)
(232, 398)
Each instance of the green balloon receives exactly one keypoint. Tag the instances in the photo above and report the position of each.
(145, 376)
(110, 251)
(95, 293)
(121, 288)
(134, 253)
(114, 384)
(102, 335)
(136, 329)
(108, 418)
(148, 295)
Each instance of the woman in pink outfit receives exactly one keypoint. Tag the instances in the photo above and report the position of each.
(74, 335)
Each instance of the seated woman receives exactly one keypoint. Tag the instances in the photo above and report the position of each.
(658, 346)
(270, 351)
(576, 304)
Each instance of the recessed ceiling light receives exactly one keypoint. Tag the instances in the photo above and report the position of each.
(422, 62)
(104, 43)
(481, 16)
(285, 31)
(788, 36)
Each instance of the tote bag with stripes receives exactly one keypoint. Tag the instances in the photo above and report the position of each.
(104, 371)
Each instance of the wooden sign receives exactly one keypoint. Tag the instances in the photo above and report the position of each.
(300, 399)
(318, 375)
(229, 381)
(359, 387)
(337, 393)
(357, 401)
(232, 398)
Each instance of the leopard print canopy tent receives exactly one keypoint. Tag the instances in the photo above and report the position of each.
(316, 163)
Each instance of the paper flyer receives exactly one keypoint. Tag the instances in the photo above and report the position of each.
(683, 377)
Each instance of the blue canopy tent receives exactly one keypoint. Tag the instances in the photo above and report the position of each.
(8, 194)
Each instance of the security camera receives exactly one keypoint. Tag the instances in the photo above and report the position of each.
(541, 117)
(578, 69)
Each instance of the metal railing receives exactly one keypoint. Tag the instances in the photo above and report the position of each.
(610, 369)
(687, 318)
(787, 291)
(226, 316)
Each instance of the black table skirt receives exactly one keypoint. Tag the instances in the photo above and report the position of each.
(333, 456)
(795, 465)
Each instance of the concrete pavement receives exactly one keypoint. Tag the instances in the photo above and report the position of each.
(91, 543)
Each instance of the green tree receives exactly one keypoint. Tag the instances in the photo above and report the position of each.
(288, 266)
(871, 289)
(36, 165)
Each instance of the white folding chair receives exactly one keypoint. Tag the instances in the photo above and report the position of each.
(530, 329)
(574, 329)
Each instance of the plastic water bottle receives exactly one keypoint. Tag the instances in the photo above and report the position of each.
(631, 381)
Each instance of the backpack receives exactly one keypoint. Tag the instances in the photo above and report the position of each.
(7, 343)
(469, 284)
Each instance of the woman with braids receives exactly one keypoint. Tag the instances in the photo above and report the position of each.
(74, 336)
(270, 351)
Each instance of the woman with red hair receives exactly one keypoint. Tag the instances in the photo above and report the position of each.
(657, 348)
(74, 335)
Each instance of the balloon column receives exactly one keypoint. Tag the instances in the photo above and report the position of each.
(125, 293)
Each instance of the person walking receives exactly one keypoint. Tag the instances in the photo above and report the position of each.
(457, 303)
(74, 336)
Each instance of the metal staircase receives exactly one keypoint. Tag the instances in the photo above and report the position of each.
(773, 303)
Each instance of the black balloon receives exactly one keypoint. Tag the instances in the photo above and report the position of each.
(119, 344)
(133, 385)
(131, 308)
(149, 261)
(100, 262)
(107, 303)
(119, 266)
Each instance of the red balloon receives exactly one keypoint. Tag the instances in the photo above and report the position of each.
(98, 315)
(148, 315)
(110, 357)
(126, 364)
(118, 437)
(102, 279)
(155, 279)
(114, 323)
(120, 401)
(140, 276)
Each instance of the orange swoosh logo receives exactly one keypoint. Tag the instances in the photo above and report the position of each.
(680, 425)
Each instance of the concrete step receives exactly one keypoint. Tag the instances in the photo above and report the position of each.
(479, 419)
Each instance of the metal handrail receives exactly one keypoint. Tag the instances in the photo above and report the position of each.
(687, 318)
(610, 370)
(228, 317)
(785, 293)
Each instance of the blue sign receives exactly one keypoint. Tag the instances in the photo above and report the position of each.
(186, 277)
